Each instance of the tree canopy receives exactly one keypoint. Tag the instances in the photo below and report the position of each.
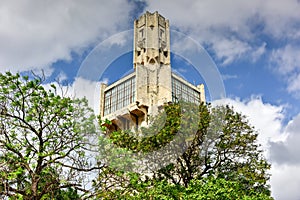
(44, 139)
(223, 158)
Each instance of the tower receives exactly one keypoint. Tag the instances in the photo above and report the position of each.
(131, 101)
(151, 60)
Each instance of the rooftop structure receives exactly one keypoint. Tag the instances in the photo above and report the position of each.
(132, 100)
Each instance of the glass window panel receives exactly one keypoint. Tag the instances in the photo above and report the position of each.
(119, 96)
(182, 92)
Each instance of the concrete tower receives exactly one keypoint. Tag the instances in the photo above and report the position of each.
(151, 60)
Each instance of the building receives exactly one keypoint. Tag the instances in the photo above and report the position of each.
(130, 101)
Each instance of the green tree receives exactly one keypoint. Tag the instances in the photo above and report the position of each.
(204, 189)
(44, 139)
(222, 150)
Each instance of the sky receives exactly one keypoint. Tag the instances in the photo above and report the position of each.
(255, 46)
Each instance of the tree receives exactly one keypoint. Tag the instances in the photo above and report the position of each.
(223, 151)
(206, 188)
(44, 139)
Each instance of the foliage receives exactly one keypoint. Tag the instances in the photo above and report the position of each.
(43, 139)
(153, 138)
(63, 194)
(222, 155)
(206, 188)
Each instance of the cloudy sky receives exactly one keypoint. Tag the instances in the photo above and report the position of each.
(255, 45)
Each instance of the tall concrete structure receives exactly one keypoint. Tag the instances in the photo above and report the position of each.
(132, 100)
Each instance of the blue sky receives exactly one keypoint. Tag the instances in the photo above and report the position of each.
(254, 44)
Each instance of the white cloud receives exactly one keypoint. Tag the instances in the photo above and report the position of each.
(285, 181)
(62, 77)
(294, 84)
(287, 152)
(280, 141)
(88, 89)
(259, 51)
(118, 39)
(266, 118)
(80, 88)
(280, 18)
(286, 163)
(34, 34)
(228, 76)
(286, 62)
(287, 59)
(182, 43)
(228, 50)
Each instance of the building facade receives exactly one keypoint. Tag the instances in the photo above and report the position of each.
(129, 102)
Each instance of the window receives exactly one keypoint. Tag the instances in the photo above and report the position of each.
(161, 33)
(120, 96)
(141, 33)
(183, 92)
